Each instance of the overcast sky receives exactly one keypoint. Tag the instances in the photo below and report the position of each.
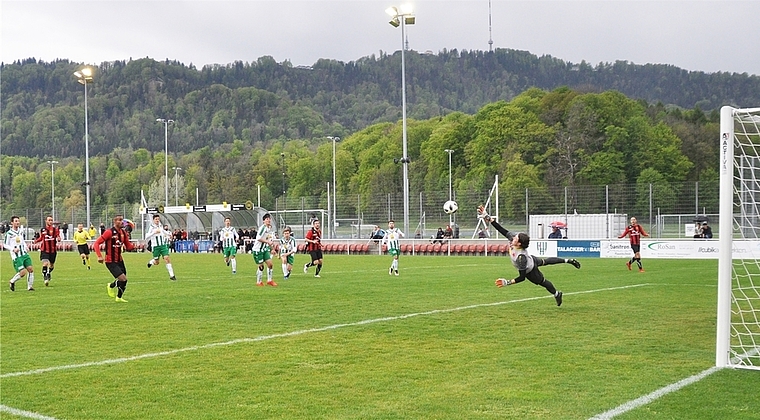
(708, 36)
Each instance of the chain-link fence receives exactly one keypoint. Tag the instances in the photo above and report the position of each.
(665, 210)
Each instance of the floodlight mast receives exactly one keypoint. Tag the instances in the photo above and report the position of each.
(84, 76)
(401, 17)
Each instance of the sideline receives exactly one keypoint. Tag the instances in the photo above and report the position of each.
(295, 333)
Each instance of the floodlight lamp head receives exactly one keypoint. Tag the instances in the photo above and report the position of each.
(160, 120)
(409, 20)
(392, 11)
(406, 9)
(395, 22)
(87, 72)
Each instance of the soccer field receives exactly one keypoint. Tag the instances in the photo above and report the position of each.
(438, 342)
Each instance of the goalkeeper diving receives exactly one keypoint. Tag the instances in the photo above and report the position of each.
(526, 264)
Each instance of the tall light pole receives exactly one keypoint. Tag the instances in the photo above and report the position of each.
(449, 151)
(166, 123)
(403, 17)
(52, 184)
(176, 184)
(334, 196)
(84, 77)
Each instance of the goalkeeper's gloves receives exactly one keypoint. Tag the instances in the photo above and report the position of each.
(483, 215)
(504, 282)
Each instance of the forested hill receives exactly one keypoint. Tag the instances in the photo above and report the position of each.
(43, 113)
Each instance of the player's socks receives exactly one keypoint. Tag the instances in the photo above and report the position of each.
(30, 281)
(170, 270)
(121, 286)
(319, 268)
(270, 271)
(234, 265)
(285, 270)
(259, 274)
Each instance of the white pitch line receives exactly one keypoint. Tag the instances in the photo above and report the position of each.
(646, 399)
(294, 333)
(23, 413)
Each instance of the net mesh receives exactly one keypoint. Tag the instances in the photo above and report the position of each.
(744, 346)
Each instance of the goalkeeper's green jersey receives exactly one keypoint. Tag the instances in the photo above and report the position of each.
(228, 236)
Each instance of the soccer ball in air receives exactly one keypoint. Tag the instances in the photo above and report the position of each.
(450, 207)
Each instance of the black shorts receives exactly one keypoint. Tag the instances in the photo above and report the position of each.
(316, 255)
(636, 248)
(84, 249)
(117, 268)
(50, 256)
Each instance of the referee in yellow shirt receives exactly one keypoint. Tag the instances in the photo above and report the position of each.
(81, 237)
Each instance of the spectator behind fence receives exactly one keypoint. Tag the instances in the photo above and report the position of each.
(556, 233)
(377, 233)
(439, 236)
(706, 231)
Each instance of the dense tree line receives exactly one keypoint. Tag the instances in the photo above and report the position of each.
(539, 139)
(262, 101)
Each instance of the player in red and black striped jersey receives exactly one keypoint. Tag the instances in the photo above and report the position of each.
(49, 237)
(314, 246)
(634, 231)
(115, 240)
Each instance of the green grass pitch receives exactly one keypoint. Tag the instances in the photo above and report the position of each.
(438, 342)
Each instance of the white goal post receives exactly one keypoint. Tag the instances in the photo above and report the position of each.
(738, 321)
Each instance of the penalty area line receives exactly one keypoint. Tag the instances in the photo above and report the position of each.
(646, 399)
(24, 413)
(297, 332)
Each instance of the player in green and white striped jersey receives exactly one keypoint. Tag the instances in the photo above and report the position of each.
(392, 237)
(262, 250)
(288, 248)
(229, 237)
(159, 241)
(22, 262)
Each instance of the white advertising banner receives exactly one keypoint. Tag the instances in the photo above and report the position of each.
(696, 249)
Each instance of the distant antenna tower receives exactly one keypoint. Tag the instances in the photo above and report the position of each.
(490, 33)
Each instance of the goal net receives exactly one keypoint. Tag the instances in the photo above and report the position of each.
(738, 325)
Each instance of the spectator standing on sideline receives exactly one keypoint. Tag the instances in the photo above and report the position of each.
(634, 231)
(81, 237)
(392, 238)
(262, 251)
(159, 237)
(65, 231)
(92, 232)
(102, 228)
(314, 246)
(114, 240)
(527, 265)
(229, 237)
(22, 262)
(50, 235)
